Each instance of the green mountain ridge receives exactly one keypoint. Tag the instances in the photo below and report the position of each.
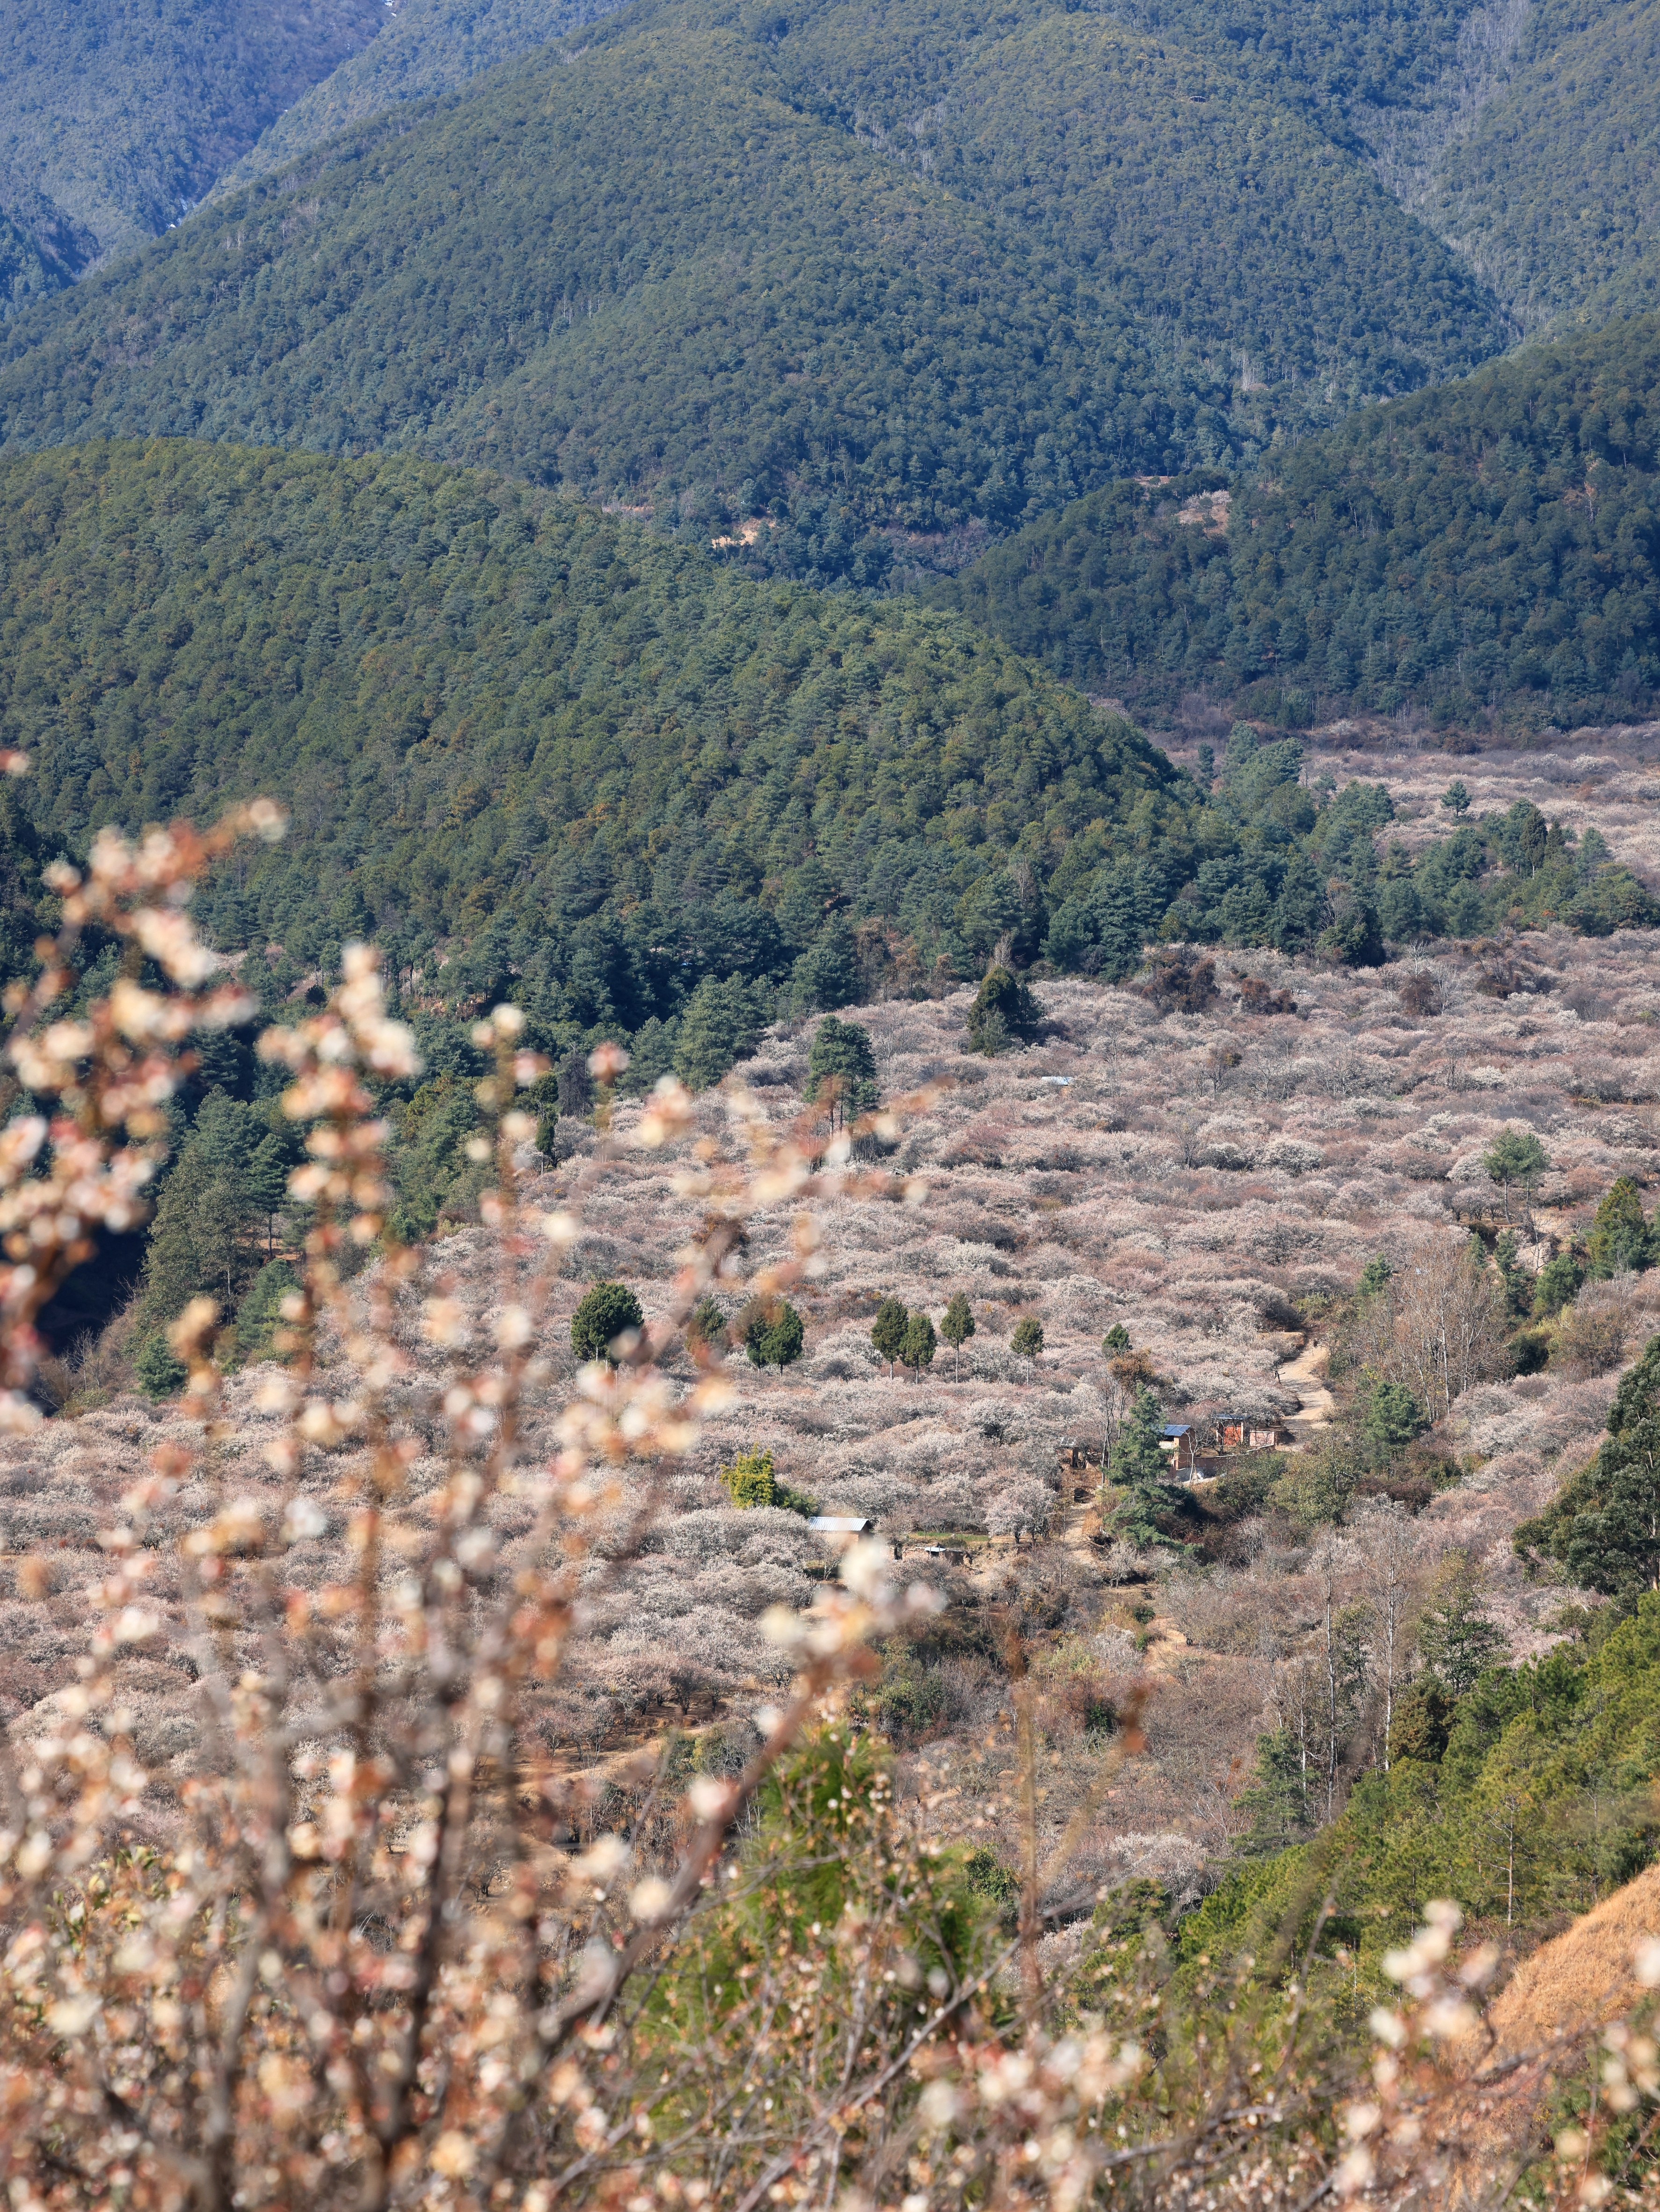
(1550, 196)
(429, 46)
(1489, 548)
(573, 759)
(120, 113)
(662, 265)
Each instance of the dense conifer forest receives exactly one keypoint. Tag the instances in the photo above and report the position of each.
(505, 723)
(1486, 548)
(117, 115)
(684, 263)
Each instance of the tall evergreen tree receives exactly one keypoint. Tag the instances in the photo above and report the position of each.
(956, 1327)
(1603, 1526)
(721, 1024)
(1455, 1635)
(1619, 1241)
(841, 1067)
(1137, 1461)
(605, 1312)
(888, 1330)
(827, 973)
(917, 1350)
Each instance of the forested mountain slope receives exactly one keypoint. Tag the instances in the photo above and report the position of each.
(518, 735)
(121, 113)
(486, 702)
(1491, 544)
(1550, 196)
(667, 266)
(429, 46)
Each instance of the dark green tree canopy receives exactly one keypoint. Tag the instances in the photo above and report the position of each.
(842, 1063)
(1027, 1340)
(1515, 1157)
(918, 1348)
(1439, 551)
(888, 1330)
(539, 273)
(1455, 1635)
(1620, 1240)
(1392, 1417)
(957, 1324)
(773, 1333)
(1558, 1285)
(605, 1312)
(1603, 1528)
(1137, 1460)
(1004, 1012)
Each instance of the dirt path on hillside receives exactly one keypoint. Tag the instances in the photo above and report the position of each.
(1306, 1375)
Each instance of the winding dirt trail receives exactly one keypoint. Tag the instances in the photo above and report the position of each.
(1306, 1376)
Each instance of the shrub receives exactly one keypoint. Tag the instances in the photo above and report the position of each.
(1180, 981)
(752, 1481)
(707, 1329)
(1590, 1340)
(605, 1312)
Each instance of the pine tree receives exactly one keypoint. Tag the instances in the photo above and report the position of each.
(721, 1025)
(1515, 1157)
(1117, 1339)
(888, 1330)
(1004, 1012)
(605, 1312)
(161, 1374)
(1518, 1284)
(1604, 1525)
(707, 1329)
(1619, 1240)
(1300, 910)
(956, 1327)
(1278, 1799)
(274, 1159)
(1454, 1634)
(198, 1242)
(841, 1067)
(1137, 1461)
(1558, 1285)
(772, 1333)
(1027, 1342)
(827, 973)
(1393, 1418)
(1118, 926)
(260, 1312)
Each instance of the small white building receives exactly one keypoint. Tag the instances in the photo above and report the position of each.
(842, 1524)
